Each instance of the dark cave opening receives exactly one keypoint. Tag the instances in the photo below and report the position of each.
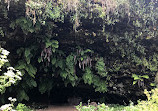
(61, 96)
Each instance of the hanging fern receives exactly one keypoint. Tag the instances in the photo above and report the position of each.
(101, 68)
(88, 76)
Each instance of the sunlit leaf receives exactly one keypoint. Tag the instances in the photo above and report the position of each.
(145, 76)
(134, 82)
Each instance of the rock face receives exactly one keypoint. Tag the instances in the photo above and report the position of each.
(74, 100)
(123, 55)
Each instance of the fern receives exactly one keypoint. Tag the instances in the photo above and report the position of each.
(45, 85)
(99, 85)
(100, 67)
(68, 71)
(22, 95)
(88, 76)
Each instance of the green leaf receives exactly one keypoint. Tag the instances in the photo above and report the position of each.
(55, 42)
(42, 88)
(19, 51)
(53, 61)
(71, 78)
(73, 83)
(63, 75)
(88, 50)
(22, 95)
(27, 52)
(27, 60)
(39, 60)
(22, 66)
(12, 25)
(31, 74)
(34, 83)
(60, 64)
(152, 84)
(27, 68)
(82, 53)
(53, 49)
(31, 70)
(55, 46)
(34, 70)
(136, 77)
(145, 76)
(48, 44)
(134, 82)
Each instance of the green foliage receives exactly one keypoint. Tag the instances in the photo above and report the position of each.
(24, 65)
(8, 107)
(137, 12)
(54, 44)
(99, 85)
(57, 10)
(151, 104)
(85, 108)
(88, 76)
(31, 82)
(22, 95)
(123, 34)
(144, 12)
(100, 67)
(1, 32)
(70, 70)
(152, 101)
(56, 14)
(102, 107)
(11, 107)
(3, 57)
(26, 25)
(45, 85)
(139, 77)
(11, 76)
(29, 70)
(22, 107)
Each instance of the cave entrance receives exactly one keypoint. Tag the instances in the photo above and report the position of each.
(74, 95)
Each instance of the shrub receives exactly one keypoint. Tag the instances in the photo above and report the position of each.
(10, 107)
(151, 104)
(11, 76)
(22, 107)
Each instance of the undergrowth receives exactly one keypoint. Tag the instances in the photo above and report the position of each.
(151, 104)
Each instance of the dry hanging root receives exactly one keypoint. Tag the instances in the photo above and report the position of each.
(31, 13)
(8, 2)
(32, 8)
(85, 62)
(46, 54)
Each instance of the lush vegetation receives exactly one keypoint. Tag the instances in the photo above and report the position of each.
(110, 45)
(11, 107)
(151, 104)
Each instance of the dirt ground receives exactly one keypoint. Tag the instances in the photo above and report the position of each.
(58, 108)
